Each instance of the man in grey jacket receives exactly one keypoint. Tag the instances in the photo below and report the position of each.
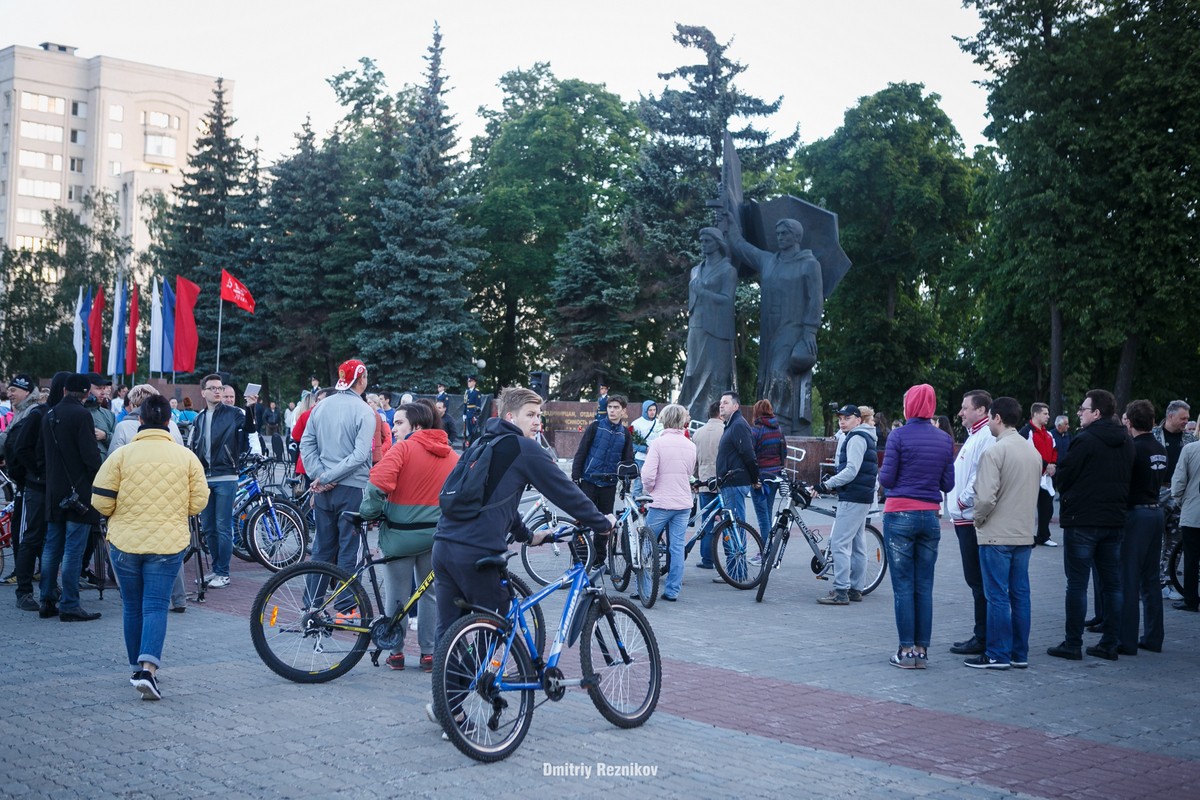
(336, 451)
(1006, 488)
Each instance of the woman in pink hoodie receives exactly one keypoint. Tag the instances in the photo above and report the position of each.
(666, 476)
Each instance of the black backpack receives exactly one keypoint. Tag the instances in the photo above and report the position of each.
(464, 495)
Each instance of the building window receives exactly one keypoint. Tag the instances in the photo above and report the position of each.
(158, 171)
(158, 119)
(175, 123)
(75, 192)
(50, 190)
(33, 243)
(78, 136)
(114, 168)
(116, 113)
(116, 141)
(36, 130)
(78, 109)
(29, 216)
(42, 102)
(162, 146)
(76, 165)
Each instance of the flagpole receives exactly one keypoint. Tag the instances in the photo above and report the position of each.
(220, 313)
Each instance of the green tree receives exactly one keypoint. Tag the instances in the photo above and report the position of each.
(552, 154)
(416, 328)
(896, 174)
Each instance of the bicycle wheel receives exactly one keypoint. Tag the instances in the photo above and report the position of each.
(241, 515)
(547, 562)
(876, 560)
(619, 656)
(482, 722)
(619, 568)
(646, 576)
(737, 553)
(537, 620)
(1175, 567)
(773, 544)
(309, 622)
(277, 536)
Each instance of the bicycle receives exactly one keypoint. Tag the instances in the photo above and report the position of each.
(741, 547)
(312, 622)
(634, 551)
(273, 530)
(799, 497)
(198, 550)
(546, 563)
(486, 658)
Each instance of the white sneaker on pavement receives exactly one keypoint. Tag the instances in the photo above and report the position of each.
(218, 582)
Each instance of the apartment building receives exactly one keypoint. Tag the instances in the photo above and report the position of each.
(69, 124)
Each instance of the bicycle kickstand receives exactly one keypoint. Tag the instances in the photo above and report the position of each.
(375, 656)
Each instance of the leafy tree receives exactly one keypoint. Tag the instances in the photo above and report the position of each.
(896, 174)
(416, 326)
(552, 154)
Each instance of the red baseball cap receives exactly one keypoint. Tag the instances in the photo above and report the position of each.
(349, 373)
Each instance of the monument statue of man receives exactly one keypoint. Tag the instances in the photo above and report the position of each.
(710, 339)
(790, 315)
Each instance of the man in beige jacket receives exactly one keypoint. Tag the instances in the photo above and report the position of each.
(1006, 491)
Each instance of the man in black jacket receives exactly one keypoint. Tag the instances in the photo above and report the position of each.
(1094, 481)
(71, 462)
(29, 470)
(735, 454)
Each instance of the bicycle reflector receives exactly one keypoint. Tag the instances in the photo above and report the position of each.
(274, 615)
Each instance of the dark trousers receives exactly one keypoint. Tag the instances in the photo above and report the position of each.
(1081, 548)
(1045, 510)
(33, 534)
(15, 528)
(457, 576)
(605, 497)
(1191, 564)
(1139, 577)
(968, 547)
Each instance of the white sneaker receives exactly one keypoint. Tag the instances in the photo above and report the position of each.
(1169, 593)
(1050, 543)
(209, 577)
(412, 624)
(218, 582)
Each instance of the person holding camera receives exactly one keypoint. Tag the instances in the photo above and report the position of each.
(72, 461)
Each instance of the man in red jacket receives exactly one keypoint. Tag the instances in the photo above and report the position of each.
(1043, 442)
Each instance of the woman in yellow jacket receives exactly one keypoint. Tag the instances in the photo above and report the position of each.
(148, 489)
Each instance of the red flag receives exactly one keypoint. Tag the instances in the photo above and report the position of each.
(131, 338)
(236, 292)
(96, 330)
(187, 340)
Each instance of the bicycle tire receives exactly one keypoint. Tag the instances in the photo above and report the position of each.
(876, 560)
(547, 562)
(307, 645)
(277, 540)
(241, 515)
(737, 553)
(1175, 567)
(521, 589)
(619, 568)
(624, 694)
(646, 577)
(768, 564)
(460, 661)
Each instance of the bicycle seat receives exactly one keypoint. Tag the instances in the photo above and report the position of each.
(355, 518)
(497, 561)
(643, 499)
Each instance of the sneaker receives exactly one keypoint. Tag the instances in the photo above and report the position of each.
(218, 582)
(904, 660)
(1064, 650)
(1015, 664)
(836, 597)
(11, 579)
(348, 617)
(855, 596)
(702, 565)
(25, 602)
(432, 717)
(1169, 593)
(396, 661)
(412, 624)
(133, 679)
(145, 683)
(426, 662)
(756, 560)
(1049, 543)
(209, 577)
(982, 661)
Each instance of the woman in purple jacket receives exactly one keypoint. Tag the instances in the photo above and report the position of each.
(917, 467)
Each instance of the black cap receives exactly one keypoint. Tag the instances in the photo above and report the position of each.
(95, 379)
(79, 382)
(473, 378)
(849, 410)
(21, 381)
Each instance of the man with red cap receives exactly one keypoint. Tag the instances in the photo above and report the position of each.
(336, 451)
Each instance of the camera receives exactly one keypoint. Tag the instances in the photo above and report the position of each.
(72, 504)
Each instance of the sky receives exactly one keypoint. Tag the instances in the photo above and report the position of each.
(820, 57)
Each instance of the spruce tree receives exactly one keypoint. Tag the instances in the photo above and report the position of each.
(415, 324)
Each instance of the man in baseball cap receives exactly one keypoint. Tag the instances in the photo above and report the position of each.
(854, 483)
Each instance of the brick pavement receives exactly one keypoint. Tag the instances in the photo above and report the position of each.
(783, 698)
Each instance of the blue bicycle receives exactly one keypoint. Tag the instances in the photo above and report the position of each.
(487, 666)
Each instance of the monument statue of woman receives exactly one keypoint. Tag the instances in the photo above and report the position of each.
(711, 291)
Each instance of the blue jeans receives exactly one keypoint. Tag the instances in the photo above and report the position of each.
(1005, 572)
(216, 522)
(1081, 548)
(145, 580)
(706, 534)
(674, 521)
(912, 541)
(65, 542)
(734, 498)
(764, 500)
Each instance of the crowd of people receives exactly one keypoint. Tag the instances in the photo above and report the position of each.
(145, 463)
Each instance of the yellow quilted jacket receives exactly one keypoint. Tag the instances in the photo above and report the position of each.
(148, 489)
